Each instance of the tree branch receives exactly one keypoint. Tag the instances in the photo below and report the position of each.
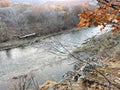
(114, 6)
(110, 83)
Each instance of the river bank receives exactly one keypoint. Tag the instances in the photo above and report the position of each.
(102, 52)
(31, 40)
(43, 58)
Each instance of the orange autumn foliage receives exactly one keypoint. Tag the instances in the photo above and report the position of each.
(102, 15)
(4, 3)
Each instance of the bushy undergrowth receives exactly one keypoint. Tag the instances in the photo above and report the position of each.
(106, 45)
(18, 20)
(21, 19)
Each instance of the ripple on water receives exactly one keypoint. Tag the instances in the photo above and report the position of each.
(47, 59)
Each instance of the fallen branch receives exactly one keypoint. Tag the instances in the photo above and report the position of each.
(26, 36)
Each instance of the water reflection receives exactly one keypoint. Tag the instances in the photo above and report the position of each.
(8, 54)
(47, 59)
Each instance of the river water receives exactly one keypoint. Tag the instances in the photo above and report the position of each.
(46, 59)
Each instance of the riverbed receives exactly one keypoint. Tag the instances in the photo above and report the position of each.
(47, 59)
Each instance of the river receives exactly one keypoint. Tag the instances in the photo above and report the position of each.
(47, 60)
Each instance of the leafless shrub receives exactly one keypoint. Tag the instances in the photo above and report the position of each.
(20, 20)
(24, 82)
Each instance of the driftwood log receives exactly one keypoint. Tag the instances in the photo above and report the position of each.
(27, 36)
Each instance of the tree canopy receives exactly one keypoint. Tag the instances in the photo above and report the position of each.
(108, 12)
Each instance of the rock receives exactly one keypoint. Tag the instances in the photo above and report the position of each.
(76, 77)
(76, 67)
(48, 85)
(69, 75)
(63, 85)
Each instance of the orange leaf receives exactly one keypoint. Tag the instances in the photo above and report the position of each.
(108, 5)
